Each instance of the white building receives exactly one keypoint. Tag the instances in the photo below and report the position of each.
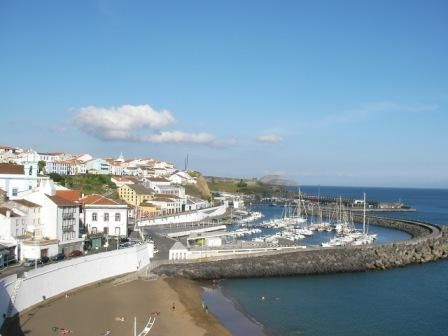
(66, 167)
(121, 181)
(178, 191)
(98, 166)
(154, 182)
(59, 221)
(55, 156)
(84, 157)
(101, 214)
(181, 178)
(194, 203)
(168, 204)
(12, 224)
(16, 180)
(178, 252)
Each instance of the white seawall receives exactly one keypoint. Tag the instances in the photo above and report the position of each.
(18, 294)
(189, 217)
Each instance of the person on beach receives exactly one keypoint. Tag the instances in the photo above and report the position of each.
(174, 307)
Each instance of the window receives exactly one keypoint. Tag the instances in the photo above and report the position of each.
(117, 231)
(14, 191)
(94, 217)
(117, 217)
(106, 217)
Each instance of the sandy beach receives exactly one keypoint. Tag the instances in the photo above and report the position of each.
(109, 309)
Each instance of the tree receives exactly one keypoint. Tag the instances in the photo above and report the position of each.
(56, 177)
(242, 184)
(41, 165)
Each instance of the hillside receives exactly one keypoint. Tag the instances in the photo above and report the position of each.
(200, 189)
(88, 184)
(245, 186)
(278, 180)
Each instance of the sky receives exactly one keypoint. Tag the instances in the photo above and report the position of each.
(325, 92)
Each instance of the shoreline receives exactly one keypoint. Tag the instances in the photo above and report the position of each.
(231, 313)
(109, 308)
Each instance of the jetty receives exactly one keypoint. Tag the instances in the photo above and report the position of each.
(429, 242)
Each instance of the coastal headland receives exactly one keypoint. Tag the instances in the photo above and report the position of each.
(429, 242)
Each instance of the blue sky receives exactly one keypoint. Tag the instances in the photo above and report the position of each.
(326, 92)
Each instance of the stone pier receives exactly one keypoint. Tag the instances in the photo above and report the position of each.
(429, 242)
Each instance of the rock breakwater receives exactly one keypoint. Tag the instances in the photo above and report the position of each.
(429, 242)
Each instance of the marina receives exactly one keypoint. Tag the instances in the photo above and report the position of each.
(264, 228)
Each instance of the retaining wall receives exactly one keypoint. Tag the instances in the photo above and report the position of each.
(429, 242)
(48, 281)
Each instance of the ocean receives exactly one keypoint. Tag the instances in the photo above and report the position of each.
(408, 301)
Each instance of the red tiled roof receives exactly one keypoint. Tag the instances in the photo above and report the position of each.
(10, 168)
(58, 200)
(69, 195)
(97, 199)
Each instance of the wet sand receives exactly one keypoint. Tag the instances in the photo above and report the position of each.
(104, 307)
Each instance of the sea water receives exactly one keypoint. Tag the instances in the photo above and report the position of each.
(407, 301)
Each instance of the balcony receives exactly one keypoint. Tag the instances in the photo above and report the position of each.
(69, 228)
(70, 215)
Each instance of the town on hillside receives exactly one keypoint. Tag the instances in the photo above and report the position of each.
(58, 205)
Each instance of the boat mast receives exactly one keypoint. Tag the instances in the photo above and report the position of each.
(364, 216)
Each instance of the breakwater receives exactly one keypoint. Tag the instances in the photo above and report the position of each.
(429, 242)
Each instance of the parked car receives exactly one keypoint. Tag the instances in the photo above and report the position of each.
(58, 257)
(75, 253)
(44, 259)
(31, 262)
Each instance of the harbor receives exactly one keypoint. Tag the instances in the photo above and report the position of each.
(264, 228)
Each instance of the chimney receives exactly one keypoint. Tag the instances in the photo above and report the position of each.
(8, 213)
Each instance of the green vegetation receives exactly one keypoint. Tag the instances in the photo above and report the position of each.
(194, 173)
(248, 187)
(88, 184)
(41, 165)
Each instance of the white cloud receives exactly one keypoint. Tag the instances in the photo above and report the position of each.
(116, 123)
(129, 123)
(271, 138)
(180, 137)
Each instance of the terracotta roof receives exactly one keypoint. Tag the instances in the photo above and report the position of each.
(50, 153)
(10, 168)
(27, 203)
(58, 200)
(69, 195)
(3, 211)
(139, 189)
(97, 199)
